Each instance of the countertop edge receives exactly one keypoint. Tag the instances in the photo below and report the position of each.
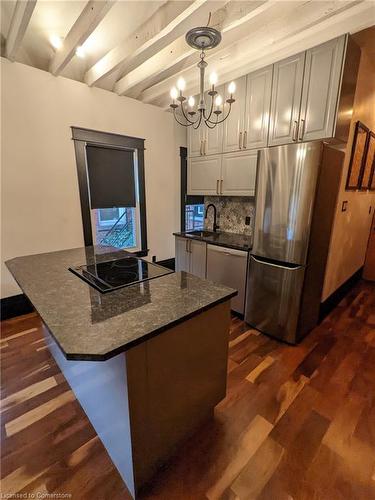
(147, 336)
(207, 240)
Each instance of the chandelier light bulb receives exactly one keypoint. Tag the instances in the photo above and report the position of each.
(174, 93)
(232, 88)
(191, 101)
(218, 100)
(213, 78)
(181, 84)
(80, 52)
(56, 42)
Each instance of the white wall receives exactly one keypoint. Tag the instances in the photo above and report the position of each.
(351, 229)
(40, 199)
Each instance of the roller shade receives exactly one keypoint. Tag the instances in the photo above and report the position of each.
(111, 177)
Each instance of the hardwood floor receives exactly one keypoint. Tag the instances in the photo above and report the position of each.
(297, 423)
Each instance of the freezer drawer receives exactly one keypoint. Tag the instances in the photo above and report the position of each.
(228, 267)
(273, 298)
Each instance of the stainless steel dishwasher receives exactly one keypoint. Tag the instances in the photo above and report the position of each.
(228, 267)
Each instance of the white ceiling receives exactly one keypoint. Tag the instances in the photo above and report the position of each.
(137, 47)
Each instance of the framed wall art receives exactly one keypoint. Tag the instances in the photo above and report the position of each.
(357, 157)
(368, 174)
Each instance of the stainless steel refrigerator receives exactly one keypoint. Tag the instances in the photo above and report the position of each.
(287, 262)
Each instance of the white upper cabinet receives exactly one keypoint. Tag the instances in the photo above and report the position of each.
(195, 141)
(321, 86)
(213, 137)
(234, 124)
(204, 174)
(286, 100)
(239, 173)
(257, 112)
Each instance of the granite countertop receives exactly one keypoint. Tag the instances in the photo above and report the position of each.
(229, 240)
(89, 325)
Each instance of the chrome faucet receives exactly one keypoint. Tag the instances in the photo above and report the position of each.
(215, 226)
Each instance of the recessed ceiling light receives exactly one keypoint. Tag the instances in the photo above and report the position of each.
(56, 41)
(80, 51)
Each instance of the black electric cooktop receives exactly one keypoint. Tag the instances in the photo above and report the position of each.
(113, 274)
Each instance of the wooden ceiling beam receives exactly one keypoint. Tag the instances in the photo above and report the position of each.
(18, 25)
(274, 41)
(230, 17)
(167, 24)
(93, 12)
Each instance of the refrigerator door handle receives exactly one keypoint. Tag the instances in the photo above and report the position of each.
(276, 265)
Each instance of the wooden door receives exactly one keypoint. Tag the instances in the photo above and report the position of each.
(369, 268)
(286, 100)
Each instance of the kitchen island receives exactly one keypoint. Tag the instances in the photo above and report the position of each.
(147, 362)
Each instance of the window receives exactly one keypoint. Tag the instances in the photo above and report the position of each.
(194, 217)
(111, 180)
(116, 227)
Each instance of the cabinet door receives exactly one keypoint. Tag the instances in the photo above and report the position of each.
(182, 255)
(321, 86)
(257, 112)
(213, 137)
(204, 174)
(239, 173)
(197, 251)
(234, 124)
(286, 100)
(195, 144)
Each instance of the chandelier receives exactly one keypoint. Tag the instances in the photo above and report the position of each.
(202, 39)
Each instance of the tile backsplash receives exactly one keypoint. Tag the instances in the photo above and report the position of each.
(231, 213)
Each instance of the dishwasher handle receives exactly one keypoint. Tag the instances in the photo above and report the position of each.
(227, 251)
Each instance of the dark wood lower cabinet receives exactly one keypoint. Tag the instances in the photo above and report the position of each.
(297, 422)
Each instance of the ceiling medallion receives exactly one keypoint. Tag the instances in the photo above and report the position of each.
(202, 38)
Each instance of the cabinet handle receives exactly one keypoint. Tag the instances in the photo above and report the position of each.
(186, 245)
(221, 186)
(295, 131)
(217, 187)
(240, 140)
(245, 139)
(189, 246)
(302, 129)
(204, 146)
(201, 149)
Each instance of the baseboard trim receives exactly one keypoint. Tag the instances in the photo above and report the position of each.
(168, 263)
(336, 297)
(15, 306)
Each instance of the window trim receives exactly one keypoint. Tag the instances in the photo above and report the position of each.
(83, 137)
(185, 198)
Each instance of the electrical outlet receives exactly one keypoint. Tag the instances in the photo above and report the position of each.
(247, 220)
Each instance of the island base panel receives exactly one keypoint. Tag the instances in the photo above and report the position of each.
(145, 402)
(174, 382)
